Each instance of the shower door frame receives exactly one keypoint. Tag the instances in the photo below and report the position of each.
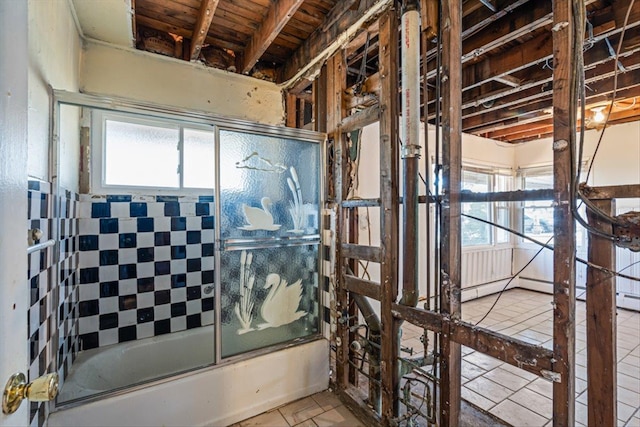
(232, 244)
(217, 122)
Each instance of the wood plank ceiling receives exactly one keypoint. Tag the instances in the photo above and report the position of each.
(507, 53)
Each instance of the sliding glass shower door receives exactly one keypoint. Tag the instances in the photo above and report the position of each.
(268, 239)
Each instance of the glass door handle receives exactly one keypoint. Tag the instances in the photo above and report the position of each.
(41, 389)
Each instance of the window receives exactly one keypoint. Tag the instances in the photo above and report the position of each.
(152, 153)
(537, 215)
(475, 233)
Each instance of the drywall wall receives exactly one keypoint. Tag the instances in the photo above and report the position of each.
(143, 76)
(54, 58)
(106, 20)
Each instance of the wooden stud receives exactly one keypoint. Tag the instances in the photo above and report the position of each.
(361, 119)
(279, 14)
(450, 362)
(291, 106)
(336, 80)
(200, 31)
(364, 287)
(564, 255)
(388, 61)
(601, 323)
(612, 192)
(320, 101)
(361, 252)
(532, 358)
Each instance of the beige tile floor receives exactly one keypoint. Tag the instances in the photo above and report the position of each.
(523, 399)
(511, 394)
(319, 410)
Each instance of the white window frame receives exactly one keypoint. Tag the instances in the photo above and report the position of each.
(493, 172)
(543, 170)
(98, 158)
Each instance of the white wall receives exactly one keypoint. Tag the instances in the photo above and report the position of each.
(143, 76)
(476, 151)
(54, 59)
(616, 163)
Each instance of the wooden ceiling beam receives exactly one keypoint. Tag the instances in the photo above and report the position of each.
(508, 80)
(533, 101)
(597, 59)
(200, 31)
(490, 4)
(317, 47)
(501, 32)
(541, 132)
(538, 50)
(277, 17)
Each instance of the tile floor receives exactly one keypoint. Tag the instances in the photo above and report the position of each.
(508, 393)
(319, 410)
(521, 398)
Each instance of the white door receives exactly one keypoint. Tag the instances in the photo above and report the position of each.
(13, 197)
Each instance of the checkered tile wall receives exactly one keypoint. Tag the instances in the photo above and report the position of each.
(146, 266)
(327, 290)
(46, 326)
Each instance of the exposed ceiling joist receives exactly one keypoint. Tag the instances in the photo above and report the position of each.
(200, 31)
(490, 4)
(507, 54)
(277, 17)
(324, 37)
(508, 80)
(526, 102)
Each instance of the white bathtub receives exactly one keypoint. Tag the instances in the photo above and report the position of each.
(215, 396)
(122, 365)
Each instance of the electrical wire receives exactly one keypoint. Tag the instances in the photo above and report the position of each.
(547, 246)
(607, 278)
(511, 280)
(615, 85)
(576, 188)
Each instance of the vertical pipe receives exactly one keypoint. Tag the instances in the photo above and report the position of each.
(410, 133)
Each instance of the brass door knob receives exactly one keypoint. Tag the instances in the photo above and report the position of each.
(41, 389)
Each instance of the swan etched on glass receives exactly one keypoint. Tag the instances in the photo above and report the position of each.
(280, 307)
(244, 308)
(259, 219)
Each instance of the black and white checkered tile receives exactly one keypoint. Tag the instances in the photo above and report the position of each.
(146, 266)
(68, 288)
(46, 325)
(327, 259)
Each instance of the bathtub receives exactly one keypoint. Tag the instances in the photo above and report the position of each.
(213, 396)
(121, 365)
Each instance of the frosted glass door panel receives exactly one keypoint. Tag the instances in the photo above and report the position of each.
(269, 186)
(268, 296)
